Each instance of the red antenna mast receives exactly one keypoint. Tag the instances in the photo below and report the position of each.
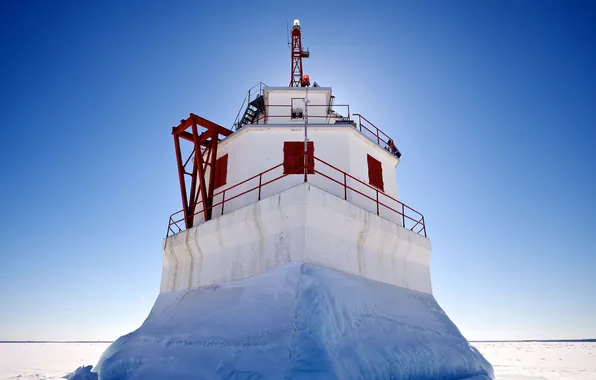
(297, 79)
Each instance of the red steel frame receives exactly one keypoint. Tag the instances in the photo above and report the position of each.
(407, 213)
(202, 156)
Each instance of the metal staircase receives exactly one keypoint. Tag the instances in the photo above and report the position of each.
(253, 105)
(252, 112)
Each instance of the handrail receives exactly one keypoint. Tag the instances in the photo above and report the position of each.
(223, 193)
(247, 99)
(330, 113)
(364, 125)
(381, 138)
(378, 192)
(407, 213)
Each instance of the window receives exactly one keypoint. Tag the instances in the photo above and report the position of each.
(294, 157)
(297, 108)
(221, 171)
(375, 173)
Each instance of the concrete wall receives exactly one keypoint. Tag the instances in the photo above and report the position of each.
(303, 223)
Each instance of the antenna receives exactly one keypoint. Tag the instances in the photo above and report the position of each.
(288, 34)
(296, 79)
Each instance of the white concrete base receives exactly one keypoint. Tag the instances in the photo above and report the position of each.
(303, 223)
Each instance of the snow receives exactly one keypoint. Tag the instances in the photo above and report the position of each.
(541, 360)
(297, 321)
(45, 360)
(511, 360)
(82, 373)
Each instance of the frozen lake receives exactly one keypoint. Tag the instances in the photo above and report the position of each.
(511, 360)
(541, 360)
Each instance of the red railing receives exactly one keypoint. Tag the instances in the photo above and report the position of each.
(410, 218)
(375, 134)
(178, 222)
(363, 124)
(408, 215)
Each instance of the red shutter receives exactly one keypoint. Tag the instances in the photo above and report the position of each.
(375, 173)
(294, 157)
(221, 171)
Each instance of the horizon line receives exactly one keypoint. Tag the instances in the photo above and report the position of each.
(587, 340)
(57, 341)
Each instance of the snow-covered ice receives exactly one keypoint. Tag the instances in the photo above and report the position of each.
(541, 360)
(47, 361)
(297, 321)
(511, 360)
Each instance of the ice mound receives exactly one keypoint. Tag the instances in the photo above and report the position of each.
(298, 321)
(82, 373)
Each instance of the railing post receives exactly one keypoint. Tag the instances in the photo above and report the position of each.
(260, 182)
(345, 187)
(423, 226)
(403, 216)
(377, 202)
(223, 201)
(378, 138)
(305, 166)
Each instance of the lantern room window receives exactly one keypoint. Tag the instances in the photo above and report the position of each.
(294, 157)
(375, 173)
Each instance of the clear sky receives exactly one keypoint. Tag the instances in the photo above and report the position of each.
(492, 103)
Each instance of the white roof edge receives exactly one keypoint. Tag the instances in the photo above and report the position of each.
(264, 127)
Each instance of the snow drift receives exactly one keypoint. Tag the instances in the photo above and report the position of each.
(297, 321)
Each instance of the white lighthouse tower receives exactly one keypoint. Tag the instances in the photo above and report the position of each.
(293, 255)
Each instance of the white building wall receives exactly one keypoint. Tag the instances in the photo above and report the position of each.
(359, 148)
(303, 223)
(255, 149)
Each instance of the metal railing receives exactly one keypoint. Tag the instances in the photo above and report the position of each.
(253, 93)
(376, 135)
(410, 218)
(317, 113)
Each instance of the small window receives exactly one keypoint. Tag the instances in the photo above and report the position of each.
(294, 157)
(221, 171)
(375, 173)
(297, 108)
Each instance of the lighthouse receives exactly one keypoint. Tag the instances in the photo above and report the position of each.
(293, 255)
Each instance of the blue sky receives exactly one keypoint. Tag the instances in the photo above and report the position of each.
(492, 103)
